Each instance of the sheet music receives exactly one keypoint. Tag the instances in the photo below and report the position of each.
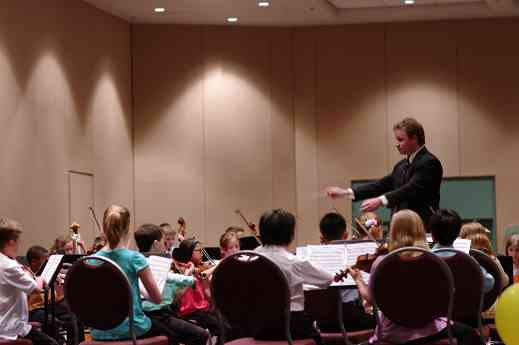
(160, 268)
(330, 258)
(462, 245)
(301, 252)
(354, 250)
(51, 267)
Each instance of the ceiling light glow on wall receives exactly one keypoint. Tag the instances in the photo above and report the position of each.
(159, 9)
(409, 2)
(232, 19)
(263, 4)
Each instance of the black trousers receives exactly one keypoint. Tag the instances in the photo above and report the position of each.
(39, 338)
(354, 318)
(177, 330)
(64, 319)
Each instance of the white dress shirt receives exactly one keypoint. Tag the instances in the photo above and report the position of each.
(298, 272)
(15, 285)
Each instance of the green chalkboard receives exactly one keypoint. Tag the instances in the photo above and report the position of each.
(474, 198)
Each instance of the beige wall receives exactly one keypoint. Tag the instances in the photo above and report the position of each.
(213, 125)
(233, 117)
(65, 100)
(257, 118)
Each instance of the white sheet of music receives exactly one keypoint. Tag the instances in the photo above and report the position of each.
(462, 245)
(301, 252)
(160, 268)
(330, 258)
(354, 250)
(51, 267)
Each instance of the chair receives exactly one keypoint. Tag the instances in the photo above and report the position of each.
(19, 341)
(252, 293)
(412, 290)
(325, 307)
(490, 297)
(468, 283)
(102, 306)
(485, 261)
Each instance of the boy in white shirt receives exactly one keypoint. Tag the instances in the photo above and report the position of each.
(15, 284)
(277, 229)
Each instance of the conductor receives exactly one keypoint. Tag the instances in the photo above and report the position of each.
(414, 182)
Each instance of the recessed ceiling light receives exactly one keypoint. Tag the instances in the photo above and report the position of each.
(159, 9)
(263, 4)
(409, 2)
(232, 19)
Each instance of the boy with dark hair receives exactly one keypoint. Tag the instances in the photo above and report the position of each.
(445, 227)
(36, 257)
(332, 227)
(149, 239)
(277, 229)
(15, 284)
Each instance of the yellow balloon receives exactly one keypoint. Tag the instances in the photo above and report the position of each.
(507, 315)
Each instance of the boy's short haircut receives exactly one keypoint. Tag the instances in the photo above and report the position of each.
(9, 230)
(167, 229)
(277, 227)
(35, 253)
(227, 237)
(445, 226)
(332, 226)
(146, 235)
(234, 229)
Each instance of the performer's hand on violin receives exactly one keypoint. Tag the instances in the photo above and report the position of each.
(370, 205)
(338, 192)
(354, 273)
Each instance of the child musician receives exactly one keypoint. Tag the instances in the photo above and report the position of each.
(195, 304)
(512, 249)
(116, 222)
(406, 230)
(149, 238)
(229, 244)
(15, 284)
(277, 230)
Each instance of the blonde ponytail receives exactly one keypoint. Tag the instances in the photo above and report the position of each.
(116, 223)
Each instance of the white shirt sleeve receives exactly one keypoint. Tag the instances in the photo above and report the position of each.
(20, 279)
(313, 275)
(384, 200)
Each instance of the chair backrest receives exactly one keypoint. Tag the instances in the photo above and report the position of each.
(250, 291)
(507, 263)
(412, 287)
(468, 284)
(98, 291)
(485, 261)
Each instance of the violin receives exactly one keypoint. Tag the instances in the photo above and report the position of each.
(76, 238)
(93, 213)
(181, 231)
(364, 262)
(250, 225)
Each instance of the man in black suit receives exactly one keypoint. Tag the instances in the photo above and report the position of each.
(414, 182)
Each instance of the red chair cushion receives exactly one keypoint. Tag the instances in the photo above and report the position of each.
(160, 340)
(19, 341)
(252, 341)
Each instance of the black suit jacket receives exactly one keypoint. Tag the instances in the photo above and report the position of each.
(414, 186)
